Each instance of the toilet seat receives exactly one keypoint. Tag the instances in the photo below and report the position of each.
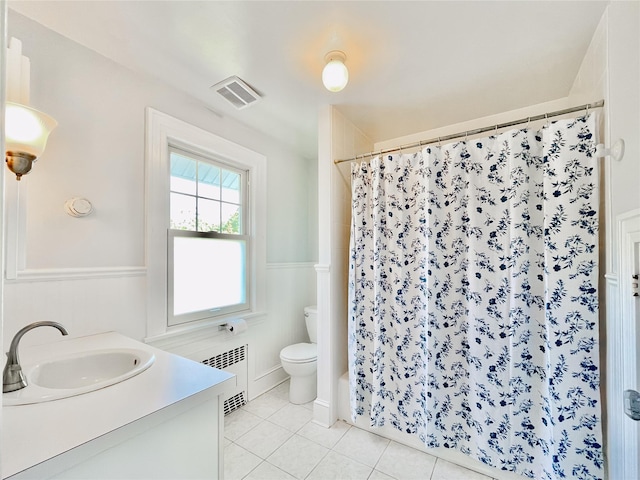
(300, 353)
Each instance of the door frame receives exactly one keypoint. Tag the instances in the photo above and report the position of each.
(622, 350)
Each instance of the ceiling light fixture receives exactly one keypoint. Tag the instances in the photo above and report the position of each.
(335, 74)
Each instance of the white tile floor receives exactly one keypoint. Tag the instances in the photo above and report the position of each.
(272, 439)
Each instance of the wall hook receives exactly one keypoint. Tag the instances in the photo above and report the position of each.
(616, 152)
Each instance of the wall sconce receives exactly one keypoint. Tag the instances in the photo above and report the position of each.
(335, 74)
(26, 133)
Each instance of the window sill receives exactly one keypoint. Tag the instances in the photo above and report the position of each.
(188, 333)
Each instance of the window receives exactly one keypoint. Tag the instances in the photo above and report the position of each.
(207, 255)
(206, 227)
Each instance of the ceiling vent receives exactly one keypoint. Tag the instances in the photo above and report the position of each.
(237, 92)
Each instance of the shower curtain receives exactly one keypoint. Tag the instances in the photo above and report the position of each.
(473, 303)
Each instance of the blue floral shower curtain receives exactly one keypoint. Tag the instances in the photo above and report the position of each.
(473, 319)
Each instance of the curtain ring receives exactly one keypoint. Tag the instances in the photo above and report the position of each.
(466, 136)
(528, 122)
(546, 117)
(496, 130)
(587, 112)
(439, 144)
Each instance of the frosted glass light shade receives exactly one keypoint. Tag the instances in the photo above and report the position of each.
(335, 75)
(26, 129)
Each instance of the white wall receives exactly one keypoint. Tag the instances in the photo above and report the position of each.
(622, 327)
(89, 273)
(624, 102)
(611, 69)
(3, 50)
(337, 138)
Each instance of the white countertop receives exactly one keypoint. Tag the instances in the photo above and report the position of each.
(35, 433)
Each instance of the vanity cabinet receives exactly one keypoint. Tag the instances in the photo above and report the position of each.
(165, 423)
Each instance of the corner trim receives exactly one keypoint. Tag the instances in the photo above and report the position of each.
(623, 438)
(322, 413)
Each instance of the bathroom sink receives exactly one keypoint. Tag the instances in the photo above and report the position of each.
(79, 373)
(92, 368)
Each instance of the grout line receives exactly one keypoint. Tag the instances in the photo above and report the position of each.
(253, 469)
(275, 466)
(328, 449)
(381, 455)
(319, 461)
(434, 468)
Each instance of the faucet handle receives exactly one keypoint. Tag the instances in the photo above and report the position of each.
(13, 378)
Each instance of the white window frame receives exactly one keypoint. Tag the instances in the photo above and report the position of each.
(244, 236)
(163, 132)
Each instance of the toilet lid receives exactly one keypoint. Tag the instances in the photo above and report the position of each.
(300, 352)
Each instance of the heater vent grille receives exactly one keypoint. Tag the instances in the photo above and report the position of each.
(233, 361)
(226, 359)
(234, 403)
(237, 92)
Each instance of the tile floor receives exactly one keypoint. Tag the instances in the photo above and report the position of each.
(272, 439)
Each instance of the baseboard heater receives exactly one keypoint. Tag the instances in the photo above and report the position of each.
(232, 361)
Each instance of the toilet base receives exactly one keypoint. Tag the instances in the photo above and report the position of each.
(303, 389)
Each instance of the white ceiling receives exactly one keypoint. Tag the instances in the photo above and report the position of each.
(413, 65)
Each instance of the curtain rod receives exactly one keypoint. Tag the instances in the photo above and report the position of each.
(475, 131)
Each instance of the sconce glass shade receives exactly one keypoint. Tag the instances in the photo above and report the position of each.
(26, 129)
(26, 134)
(335, 75)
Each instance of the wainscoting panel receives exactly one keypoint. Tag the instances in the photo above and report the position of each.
(84, 302)
(93, 301)
(290, 288)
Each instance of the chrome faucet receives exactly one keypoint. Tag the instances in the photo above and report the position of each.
(12, 377)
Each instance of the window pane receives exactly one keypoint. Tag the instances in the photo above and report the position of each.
(183, 186)
(183, 212)
(208, 215)
(183, 174)
(231, 186)
(208, 181)
(231, 221)
(208, 274)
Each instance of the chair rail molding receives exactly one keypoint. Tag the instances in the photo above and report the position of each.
(289, 265)
(62, 274)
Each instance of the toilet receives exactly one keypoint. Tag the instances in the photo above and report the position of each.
(300, 361)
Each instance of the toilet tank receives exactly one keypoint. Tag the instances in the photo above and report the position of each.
(311, 319)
